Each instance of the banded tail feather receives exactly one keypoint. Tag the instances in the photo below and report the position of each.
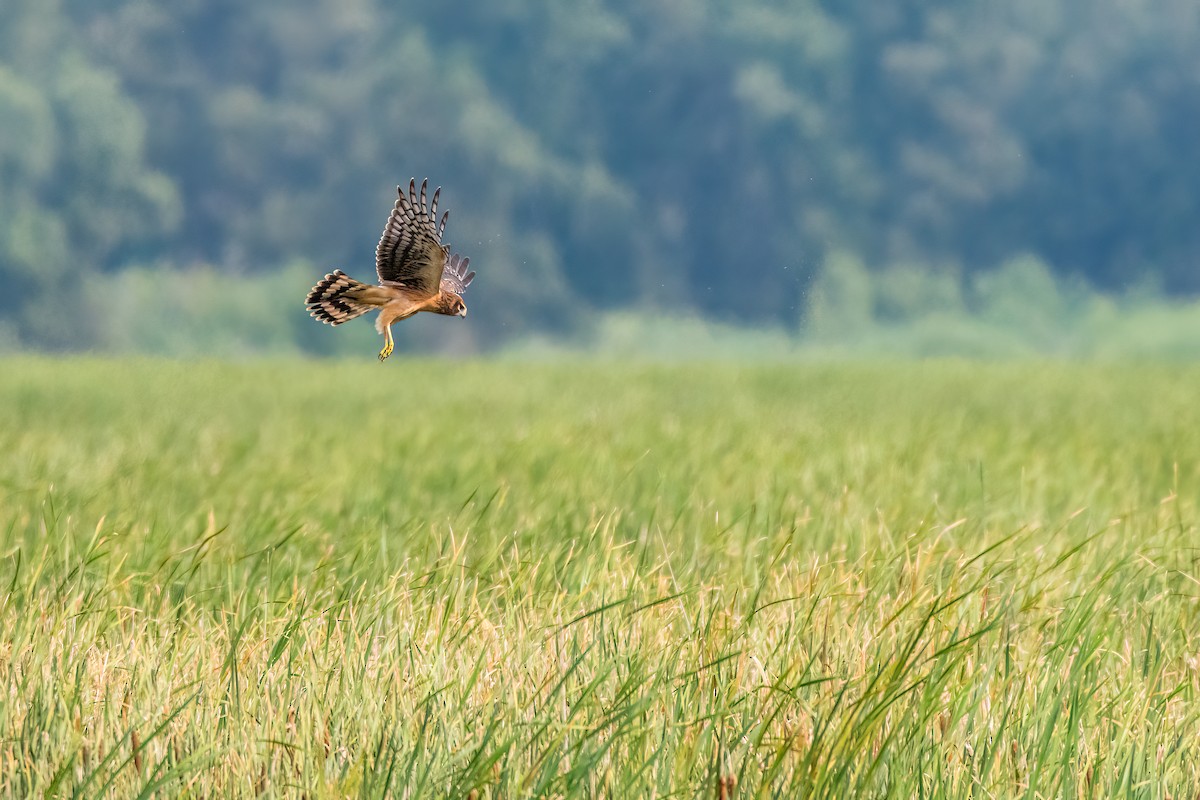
(338, 298)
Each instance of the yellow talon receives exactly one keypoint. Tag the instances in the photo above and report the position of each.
(388, 346)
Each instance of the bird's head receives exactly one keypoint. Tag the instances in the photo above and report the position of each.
(452, 305)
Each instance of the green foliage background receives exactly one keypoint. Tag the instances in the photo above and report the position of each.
(696, 159)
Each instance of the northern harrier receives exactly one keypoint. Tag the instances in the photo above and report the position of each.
(416, 272)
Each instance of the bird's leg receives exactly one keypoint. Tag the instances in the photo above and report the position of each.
(388, 345)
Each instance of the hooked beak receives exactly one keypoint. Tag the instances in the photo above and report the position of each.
(463, 313)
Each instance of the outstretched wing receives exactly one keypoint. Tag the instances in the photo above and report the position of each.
(410, 252)
(455, 278)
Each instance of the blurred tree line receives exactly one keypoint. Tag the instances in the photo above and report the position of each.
(706, 155)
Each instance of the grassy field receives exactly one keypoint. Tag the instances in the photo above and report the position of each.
(488, 580)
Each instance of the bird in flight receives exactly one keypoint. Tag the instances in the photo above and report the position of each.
(416, 272)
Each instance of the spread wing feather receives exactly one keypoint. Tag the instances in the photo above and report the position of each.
(455, 278)
(410, 252)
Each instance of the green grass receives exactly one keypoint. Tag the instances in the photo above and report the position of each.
(441, 579)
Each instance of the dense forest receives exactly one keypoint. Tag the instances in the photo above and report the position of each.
(703, 156)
